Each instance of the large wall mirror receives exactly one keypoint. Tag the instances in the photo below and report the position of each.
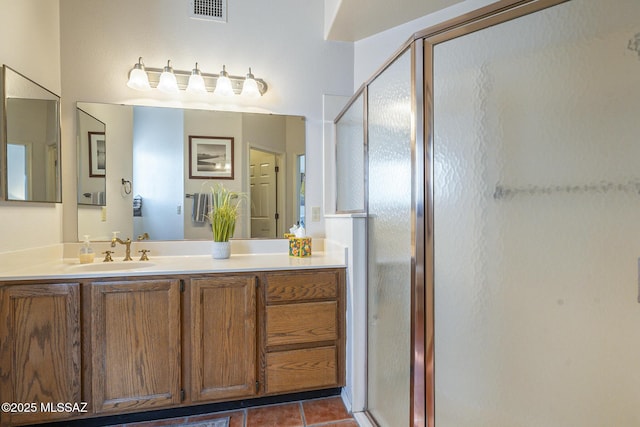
(158, 162)
(30, 140)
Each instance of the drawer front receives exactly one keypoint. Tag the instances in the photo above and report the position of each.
(301, 286)
(301, 369)
(302, 323)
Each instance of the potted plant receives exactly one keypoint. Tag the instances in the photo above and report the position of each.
(223, 215)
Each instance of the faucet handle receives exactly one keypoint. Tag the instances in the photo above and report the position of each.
(107, 256)
(144, 256)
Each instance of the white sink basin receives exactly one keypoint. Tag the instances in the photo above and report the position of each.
(111, 266)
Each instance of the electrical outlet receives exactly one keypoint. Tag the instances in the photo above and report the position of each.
(315, 213)
(103, 214)
(179, 209)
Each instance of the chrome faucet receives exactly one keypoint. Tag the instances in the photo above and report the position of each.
(127, 243)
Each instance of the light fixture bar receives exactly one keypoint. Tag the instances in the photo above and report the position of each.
(210, 80)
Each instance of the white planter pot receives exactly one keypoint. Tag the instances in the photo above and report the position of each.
(220, 250)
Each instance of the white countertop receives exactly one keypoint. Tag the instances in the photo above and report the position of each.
(70, 268)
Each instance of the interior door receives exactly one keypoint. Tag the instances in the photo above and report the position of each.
(264, 193)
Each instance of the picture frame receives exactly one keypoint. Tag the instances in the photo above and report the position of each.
(97, 155)
(211, 157)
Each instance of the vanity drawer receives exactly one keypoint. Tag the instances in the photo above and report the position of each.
(302, 323)
(301, 369)
(301, 286)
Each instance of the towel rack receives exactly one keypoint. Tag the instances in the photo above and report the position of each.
(504, 192)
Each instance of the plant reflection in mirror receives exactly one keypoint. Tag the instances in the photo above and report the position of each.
(224, 212)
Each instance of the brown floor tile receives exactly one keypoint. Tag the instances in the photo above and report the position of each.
(236, 418)
(286, 415)
(319, 411)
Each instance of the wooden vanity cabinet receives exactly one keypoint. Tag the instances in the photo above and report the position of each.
(220, 337)
(40, 350)
(135, 344)
(303, 330)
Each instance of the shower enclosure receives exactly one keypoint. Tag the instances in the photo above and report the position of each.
(502, 191)
(536, 187)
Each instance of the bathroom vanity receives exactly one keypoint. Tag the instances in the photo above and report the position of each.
(160, 337)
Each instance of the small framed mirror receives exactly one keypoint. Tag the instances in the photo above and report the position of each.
(30, 135)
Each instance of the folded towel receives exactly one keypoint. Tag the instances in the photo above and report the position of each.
(98, 198)
(137, 205)
(201, 207)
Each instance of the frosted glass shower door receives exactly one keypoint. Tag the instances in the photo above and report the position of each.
(537, 220)
(389, 245)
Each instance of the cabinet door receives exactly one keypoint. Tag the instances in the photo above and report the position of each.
(40, 349)
(135, 344)
(223, 337)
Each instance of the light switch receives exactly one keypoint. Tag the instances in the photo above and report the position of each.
(103, 214)
(179, 209)
(315, 213)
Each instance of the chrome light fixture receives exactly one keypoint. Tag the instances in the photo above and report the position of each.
(168, 82)
(173, 81)
(223, 85)
(196, 82)
(250, 86)
(138, 78)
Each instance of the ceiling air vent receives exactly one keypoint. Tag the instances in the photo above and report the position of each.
(211, 10)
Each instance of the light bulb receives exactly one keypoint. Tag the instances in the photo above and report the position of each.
(168, 82)
(138, 78)
(196, 82)
(223, 85)
(250, 86)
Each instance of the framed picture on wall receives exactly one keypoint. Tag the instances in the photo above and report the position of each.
(210, 157)
(97, 154)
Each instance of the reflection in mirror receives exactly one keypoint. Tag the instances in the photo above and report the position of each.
(31, 140)
(153, 153)
(91, 137)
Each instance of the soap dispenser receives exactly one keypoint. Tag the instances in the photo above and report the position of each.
(86, 253)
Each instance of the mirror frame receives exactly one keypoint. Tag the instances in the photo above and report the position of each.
(4, 181)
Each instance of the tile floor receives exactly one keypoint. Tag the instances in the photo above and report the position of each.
(323, 412)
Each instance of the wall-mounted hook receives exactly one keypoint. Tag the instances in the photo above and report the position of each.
(126, 185)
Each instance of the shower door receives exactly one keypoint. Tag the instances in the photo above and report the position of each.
(536, 169)
(389, 244)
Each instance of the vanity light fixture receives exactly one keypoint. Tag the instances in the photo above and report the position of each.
(138, 78)
(196, 82)
(172, 81)
(168, 82)
(250, 86)
(223, 85)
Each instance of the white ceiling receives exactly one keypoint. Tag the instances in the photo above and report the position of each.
(357, 19)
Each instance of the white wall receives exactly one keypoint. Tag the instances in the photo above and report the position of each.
(30, 44)
(371, 53)
(281, 40)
